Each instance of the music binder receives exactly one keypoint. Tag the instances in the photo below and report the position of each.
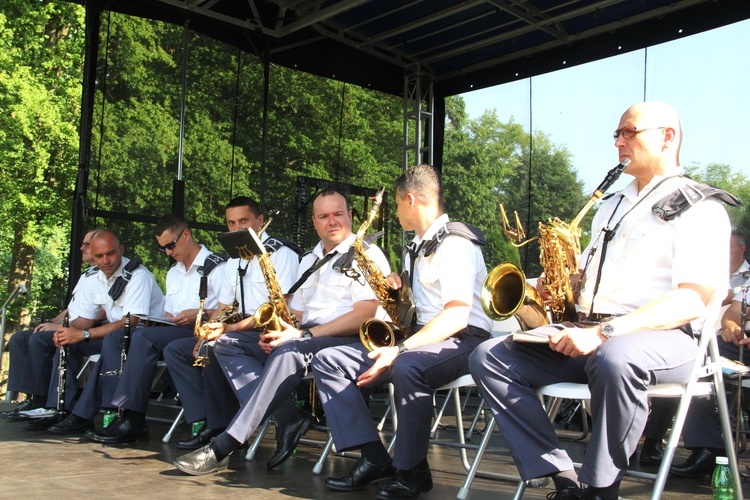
(242, 244)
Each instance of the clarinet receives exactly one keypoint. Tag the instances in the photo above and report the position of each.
(62, 372)
(124, 355)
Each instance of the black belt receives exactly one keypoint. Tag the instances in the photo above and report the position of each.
(596, 317)
(475, 331)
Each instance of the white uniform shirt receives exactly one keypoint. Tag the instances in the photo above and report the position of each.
(737, 279)
(285, 263)
(142, 295)
(73, 310)
(328, 293)
(455, 271)
(648, 257)
(183, 285)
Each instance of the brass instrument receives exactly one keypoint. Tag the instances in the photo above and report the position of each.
(230, 314)
(267, 314)
(374, 332)
(505, 292)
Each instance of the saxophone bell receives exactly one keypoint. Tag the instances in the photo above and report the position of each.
(265, 316)
(375, 333)
(505, 293)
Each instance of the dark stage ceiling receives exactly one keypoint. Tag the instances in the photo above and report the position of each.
(461, 45)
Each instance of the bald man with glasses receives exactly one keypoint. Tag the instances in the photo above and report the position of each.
(647, 287)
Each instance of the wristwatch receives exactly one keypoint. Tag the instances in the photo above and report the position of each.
(86, 335)
(607, 330)
(306, 334)
(402, 348)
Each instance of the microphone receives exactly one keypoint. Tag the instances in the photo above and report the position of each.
(22, 289)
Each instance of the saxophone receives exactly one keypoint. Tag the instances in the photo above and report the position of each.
(230, 314)
(267, 314)
(505, 292)
(374, 332)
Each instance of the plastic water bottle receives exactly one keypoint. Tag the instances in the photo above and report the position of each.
(722, 482)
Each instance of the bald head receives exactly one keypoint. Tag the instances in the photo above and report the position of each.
(650, 135)
(107, 251)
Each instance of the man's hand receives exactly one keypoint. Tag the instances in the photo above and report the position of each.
(271, 339)
(576, 342)
(46, 327)
(67, 336)
(383, 357)
(215, 330)
(186, 317)
(394, 280)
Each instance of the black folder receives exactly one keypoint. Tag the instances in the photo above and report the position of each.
(242, 244)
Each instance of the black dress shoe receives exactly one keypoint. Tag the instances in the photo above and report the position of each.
(42, 424)
(651, 452)
(568, 493)
(122, 430)
(29, 404)
(15, 414)
(702, 462)
(362, 474)
(408, 483)
(73, 424)
(287, 438)
(201, 439)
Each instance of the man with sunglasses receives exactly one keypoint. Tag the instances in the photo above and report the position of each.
(118, 286)
(205, 392)
(192, 261)
(18, 346)
(330, 306)
(654, 273)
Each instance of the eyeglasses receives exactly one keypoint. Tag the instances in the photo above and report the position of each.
(86, 244)
(629, 133)
(170, 246)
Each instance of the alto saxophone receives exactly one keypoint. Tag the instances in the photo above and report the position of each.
(230, 314)
(505, 292)
(267, 314)
(374, 332)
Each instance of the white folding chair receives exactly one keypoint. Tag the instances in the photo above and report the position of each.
(705, 366)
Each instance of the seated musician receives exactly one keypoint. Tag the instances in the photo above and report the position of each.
(447, 272)
(330, 305)
(646, 285)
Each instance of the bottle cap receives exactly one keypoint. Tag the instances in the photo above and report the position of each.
(722, 461)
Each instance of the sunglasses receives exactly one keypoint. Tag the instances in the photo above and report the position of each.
(170, 246)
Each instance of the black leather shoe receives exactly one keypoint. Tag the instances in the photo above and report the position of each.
(408, 483)
(362, 474)
(29, 404)
(201, 439)
(702, 462)
(73, 424)
(42, 424)
(15, 414)
(651, 452)
(569, 493)
(287, 438)
(121, 430)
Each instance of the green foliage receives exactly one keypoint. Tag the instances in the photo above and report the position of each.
(724, 177)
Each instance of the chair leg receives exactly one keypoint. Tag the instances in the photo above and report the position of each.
(318, 468)
(168, 436)
(256, 443)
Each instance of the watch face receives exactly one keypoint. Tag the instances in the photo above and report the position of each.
(608, 330)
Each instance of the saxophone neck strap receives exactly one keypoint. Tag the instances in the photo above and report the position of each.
(316, 265)
(688, 195)
(471, 233)
(115, 291)
(211, 262)
(275, 244)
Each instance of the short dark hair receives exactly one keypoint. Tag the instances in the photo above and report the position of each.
(329, 192)
(245, 201)
(170, 222)
(423, 180)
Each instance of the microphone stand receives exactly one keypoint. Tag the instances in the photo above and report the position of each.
(743, 321)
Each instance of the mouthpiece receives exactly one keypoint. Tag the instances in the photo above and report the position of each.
(613, 175)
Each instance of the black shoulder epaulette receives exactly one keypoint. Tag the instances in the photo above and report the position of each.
(274, 244)
(471, 233)
(212, 260)
(91, 271)
(122, 281)
(608, 196)
(344, 262)
(688, 195)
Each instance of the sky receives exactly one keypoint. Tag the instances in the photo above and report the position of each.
(704, 76)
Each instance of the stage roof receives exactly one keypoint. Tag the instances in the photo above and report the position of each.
(462, 45)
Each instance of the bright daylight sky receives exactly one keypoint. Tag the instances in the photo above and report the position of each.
(704, 76)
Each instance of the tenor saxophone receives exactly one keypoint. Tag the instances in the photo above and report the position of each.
(505, 292)
(374, 332)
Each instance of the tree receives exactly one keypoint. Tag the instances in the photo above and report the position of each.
(40, 75)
